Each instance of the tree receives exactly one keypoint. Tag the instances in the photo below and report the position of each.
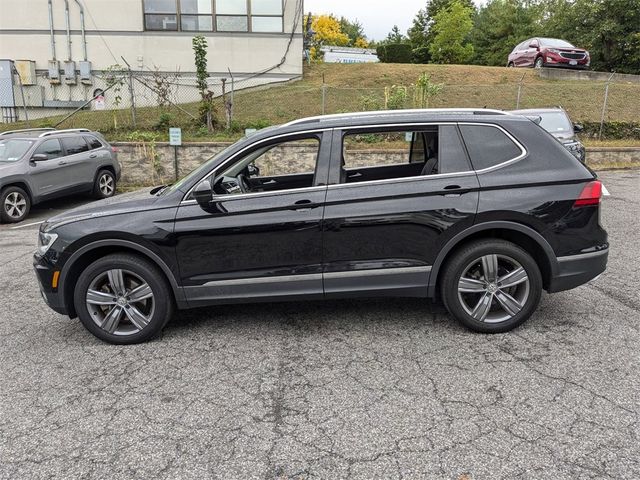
(395, 36)
(361, 42)
(353, 30)
(200, 46)
(327, 31)
(499, 26)
(451, 28)
(418, 38)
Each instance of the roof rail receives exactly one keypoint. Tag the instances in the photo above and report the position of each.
(469, 111)
(69, 130)
(26, 130)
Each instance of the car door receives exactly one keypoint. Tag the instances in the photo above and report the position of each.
(531, 52)
(521, 54)
(264, 243)
(50, 177)
(382, 235)
(79, 160)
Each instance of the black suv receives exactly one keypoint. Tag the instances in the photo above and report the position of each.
(481, 208)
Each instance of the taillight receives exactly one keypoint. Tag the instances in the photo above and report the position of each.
(590, 195)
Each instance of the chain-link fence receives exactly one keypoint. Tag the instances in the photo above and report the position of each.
(119, 103)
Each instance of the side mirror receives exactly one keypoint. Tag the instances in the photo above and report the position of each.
(203, 194)
(39, 157)
(533, 45)
(577, 127)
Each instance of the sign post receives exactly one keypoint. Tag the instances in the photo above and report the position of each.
(175, 139)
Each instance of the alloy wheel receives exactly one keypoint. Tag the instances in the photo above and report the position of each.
(493, 288)
(120, 302)
(105, 184)
(15, 205)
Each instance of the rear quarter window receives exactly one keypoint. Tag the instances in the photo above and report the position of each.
(93, 142)
(488, 146)
(74, 145)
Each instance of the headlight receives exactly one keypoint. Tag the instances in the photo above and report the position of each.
(45, 240)
(553, 50)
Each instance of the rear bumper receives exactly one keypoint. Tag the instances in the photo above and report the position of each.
(576, 270)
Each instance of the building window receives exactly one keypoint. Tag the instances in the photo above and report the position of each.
(219, 15)
(196, 15)
(160, 15)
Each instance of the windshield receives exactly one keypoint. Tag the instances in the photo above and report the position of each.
(13, 150)
(556, 43)
(198, 171)
(555, 122)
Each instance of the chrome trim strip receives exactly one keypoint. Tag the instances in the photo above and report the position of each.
(583, 256)
(261, 280)
(401, 180)
(376, 272)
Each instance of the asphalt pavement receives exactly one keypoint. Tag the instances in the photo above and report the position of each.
(387, 388)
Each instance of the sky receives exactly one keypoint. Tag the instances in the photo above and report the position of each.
(376, 16)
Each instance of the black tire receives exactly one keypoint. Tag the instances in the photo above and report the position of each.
(527, 293)
(15, 204)
(539, 63)
(104, 185)
(511, 65)
(158, 309)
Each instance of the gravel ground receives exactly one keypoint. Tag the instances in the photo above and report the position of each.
(341, 389)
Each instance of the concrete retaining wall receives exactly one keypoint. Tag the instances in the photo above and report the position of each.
(138, 168)
(568, 74)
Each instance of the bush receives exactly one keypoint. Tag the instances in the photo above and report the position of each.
(394, 53)
(611, 130)
(164, 122)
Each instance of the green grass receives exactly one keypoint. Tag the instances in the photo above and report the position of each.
(351, 87)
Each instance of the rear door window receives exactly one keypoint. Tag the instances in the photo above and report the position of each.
(75, 145)
(488, 146)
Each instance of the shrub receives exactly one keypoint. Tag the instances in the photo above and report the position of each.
(394, 53)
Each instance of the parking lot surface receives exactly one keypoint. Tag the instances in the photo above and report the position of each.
(341, 389)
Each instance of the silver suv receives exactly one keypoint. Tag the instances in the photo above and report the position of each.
(41, 164)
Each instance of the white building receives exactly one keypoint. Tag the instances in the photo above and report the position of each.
(349, 55)
(68, 43)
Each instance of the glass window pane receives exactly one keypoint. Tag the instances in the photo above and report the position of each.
(488, 146)
(231, 7)
(50, 148)
(160, 6)
(197, 23)
(266, 24)
(232, 24)
(196, 6)
(74, 145)
(161, 22)
(266, 7)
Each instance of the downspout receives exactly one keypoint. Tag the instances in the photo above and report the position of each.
(66, 18)
(53, 38)
(84, 35)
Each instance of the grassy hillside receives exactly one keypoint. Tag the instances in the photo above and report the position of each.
(362, 87)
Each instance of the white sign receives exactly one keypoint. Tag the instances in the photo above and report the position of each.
(175, 137)
(100, 104)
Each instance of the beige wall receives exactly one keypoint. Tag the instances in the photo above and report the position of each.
(24, 34)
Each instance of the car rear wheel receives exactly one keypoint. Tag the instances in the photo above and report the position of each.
(539, 63)
(491, 286)
(123, 299)
(15, 204)
(105, 184)
(510, 65)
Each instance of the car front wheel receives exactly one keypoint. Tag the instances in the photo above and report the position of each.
(15, 203)
(491, 286)
(123, 299)
(539, 63)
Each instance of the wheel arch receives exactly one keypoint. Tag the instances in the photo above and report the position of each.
(86, 255)
(20, 184)
(108, 167)
(525, 237)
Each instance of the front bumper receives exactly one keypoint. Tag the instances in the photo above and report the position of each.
(52, 296)
(576, 270)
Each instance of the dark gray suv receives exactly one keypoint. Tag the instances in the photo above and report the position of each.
(41, 164)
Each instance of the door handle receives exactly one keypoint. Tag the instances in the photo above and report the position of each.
(62, 162)
(452, 188)
(355, 175)
(303, 205)
(93, 155)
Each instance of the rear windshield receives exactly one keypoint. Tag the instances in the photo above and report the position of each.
(13, 150)
(555, 122)
(556, 43)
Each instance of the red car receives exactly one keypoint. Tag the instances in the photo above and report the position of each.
(548, 52)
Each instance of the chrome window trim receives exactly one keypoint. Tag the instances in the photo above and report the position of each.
(523, 154)
(376, 272)
(254, 144)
